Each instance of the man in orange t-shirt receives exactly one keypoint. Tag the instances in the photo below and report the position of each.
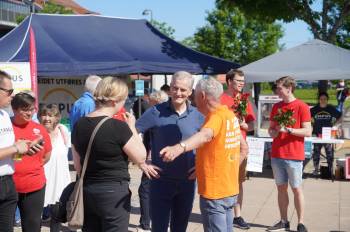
(217, 158)
(235, 83)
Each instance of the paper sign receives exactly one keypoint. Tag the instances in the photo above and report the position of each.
(326, 132)
(20, 74)
(256, 154)
(139, 87)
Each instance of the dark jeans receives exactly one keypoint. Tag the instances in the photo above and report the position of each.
(144, 191)
(171, 197)
(8, 202)
(329, 154)
(106, 206)
(31, 208)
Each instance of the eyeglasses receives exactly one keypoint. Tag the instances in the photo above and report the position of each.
(31, 109)
(8, 91)
(239, 81)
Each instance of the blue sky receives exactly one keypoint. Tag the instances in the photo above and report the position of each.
(185, 16)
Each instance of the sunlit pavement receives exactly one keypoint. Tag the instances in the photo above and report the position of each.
(327, 203)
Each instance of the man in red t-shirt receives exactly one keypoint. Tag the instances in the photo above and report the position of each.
(288, 151)
(235, 83)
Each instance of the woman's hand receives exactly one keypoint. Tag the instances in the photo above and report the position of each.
(129, 119)
(150, 170)
(36, 145)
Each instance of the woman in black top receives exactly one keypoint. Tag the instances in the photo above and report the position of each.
(323, 115)
(106, 181)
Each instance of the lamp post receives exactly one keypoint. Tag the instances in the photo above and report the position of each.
(148, 12)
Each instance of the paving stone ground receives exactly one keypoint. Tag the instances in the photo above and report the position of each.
(327, 203)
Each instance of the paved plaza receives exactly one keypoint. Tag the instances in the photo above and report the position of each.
(327, 204)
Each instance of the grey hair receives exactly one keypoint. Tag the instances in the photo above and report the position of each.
(91, 83)
(181, 75)
(211, 87)
(159, 96)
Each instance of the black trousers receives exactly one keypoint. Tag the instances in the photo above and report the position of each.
(144, 191)
(106, 206)
(8, 203)
(329, 153)
(31, 208)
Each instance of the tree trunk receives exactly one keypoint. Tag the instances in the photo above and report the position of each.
(322, 86)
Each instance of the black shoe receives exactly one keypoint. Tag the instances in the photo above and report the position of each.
(301, 228)
(240, 223)
(279, 226)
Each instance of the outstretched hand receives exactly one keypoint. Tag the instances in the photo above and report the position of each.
(170, 153)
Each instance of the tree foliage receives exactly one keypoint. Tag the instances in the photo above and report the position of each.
(324, 24)
(164, 28)
(52, 8)
(230, 35)
(49, 8)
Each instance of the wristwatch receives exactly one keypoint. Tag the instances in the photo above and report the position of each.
(289, 130)
(183, 145)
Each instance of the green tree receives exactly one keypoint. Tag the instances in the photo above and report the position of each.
(324, 23)
(331, 23)
(49, 8)
(164, 28)
(230, 35)
(52, 8)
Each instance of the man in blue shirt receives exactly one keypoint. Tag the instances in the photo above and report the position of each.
(85, 104)
(169, 123)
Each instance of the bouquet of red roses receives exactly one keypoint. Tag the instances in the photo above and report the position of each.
(284, 117)
(240, 103)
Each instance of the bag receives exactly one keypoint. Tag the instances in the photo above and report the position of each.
(58, 211)
(75, 203)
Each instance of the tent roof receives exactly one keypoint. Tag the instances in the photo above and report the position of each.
(75, 45)
(313, 60)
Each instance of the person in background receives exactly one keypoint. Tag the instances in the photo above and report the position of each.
(165, 88)
(235, 81)
(29, 174)
(288, 154)
(323, 115)
(57, 169)
(218, 157)
(155, 98)
(85, 104)
(106, 181)
(171, 196)
(8, 149)
(144, 104)
(341, 95)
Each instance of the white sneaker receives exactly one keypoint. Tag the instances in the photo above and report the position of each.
(139, 229)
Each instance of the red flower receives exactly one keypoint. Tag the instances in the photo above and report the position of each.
(240, 103)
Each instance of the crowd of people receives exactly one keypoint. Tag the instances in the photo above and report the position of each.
(178, 147)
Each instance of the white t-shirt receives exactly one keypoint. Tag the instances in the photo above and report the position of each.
(7, 138)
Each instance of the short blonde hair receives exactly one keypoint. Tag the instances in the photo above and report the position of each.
(110, 89)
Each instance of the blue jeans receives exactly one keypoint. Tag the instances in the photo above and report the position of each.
(217, 214)
(144, 189)
(171, 197)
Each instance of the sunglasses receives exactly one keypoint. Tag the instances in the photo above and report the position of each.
(8, 91)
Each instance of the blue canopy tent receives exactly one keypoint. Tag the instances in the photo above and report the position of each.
(77, 45)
